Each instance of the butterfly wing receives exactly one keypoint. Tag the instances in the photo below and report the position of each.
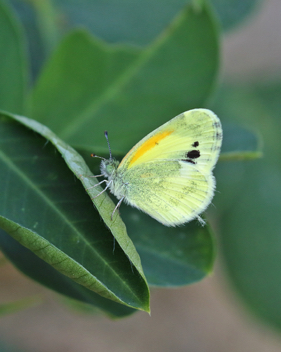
(168, 174)
(187, 136)
(173, 193)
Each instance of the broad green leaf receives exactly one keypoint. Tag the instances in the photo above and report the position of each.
(249, 202)
(31, 265)
(46, 209)
(125, 91)
(137, 22)
(35, 45)
(71, 81)
(13, 65)
(109, 20)
(240, 143)
(171, 256)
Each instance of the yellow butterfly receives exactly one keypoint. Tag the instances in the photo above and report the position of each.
(168, 174)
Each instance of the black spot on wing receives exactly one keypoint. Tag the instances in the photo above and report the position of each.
(195, 144)
(219, 135)
(193, 154)
(189, 161)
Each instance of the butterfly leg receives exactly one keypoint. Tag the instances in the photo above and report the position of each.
(98, 184)
(108, 184)
(201, 221)
(81, 176)
(117, 206)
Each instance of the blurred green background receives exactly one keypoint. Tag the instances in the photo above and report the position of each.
(239, 307)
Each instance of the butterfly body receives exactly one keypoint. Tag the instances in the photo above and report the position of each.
(168, 174)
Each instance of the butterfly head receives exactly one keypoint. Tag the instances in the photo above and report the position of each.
(109, 167)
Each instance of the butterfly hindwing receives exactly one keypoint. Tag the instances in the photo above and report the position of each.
(172, 194)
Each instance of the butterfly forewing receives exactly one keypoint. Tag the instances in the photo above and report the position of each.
(168, 174)
(187, 136)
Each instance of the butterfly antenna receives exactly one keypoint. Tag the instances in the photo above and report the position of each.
(106, 136)
(96, 156)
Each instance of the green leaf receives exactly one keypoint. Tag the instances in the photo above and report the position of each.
(240, 143)
(133, 21)
(13, 65)
(249, 202)
(71, 82)
(35, 46)
(137, 22)
(126, 90)
(171, 256)
(37, 269)
(47, 210)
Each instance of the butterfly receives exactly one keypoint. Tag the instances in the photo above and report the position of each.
(168, 174)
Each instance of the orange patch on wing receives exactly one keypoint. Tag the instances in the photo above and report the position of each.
(149, 144)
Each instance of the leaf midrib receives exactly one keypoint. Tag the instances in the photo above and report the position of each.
(120, 82)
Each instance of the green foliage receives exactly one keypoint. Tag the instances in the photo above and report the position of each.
(109, 84)
(37, 269)
(38, 210)
(50, 229)
(13, 63)
(135, 22)
(252, 248)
